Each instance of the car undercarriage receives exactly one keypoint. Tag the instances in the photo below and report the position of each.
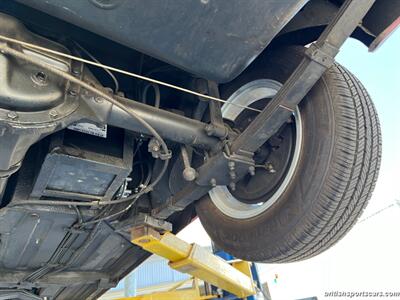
(115, 113)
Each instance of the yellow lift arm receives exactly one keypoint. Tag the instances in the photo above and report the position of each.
(196, 261)
(173, 294)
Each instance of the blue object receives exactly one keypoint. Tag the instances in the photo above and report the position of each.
(254, 272)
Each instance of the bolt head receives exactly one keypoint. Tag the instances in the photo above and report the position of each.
(40, 78)
(35, 216)
(209, 128)
(98, 99)
(12, 115)
(252, 170)
(213, 182)
(72, 93)
(189, 174)
(53, 114)
(270, 168)
(232, 186)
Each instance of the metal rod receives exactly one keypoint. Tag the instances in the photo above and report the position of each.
(310, 70)
(110, 68)
(217, 127)
(215, 107)
(170, 126)
(3, 185)
(318, 58)
(189, 173)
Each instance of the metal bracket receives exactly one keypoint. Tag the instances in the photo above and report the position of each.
(217, 127)
(175, 207)
(17, 294)
(318, 58)
(192, 259)
(318, 55)
(147, 220)
(144, 220)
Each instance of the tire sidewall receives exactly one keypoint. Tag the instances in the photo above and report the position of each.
(265, 234)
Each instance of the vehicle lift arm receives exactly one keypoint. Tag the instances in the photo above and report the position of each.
(192, 259)
(235, 278)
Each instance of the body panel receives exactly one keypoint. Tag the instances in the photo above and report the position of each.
(214, 39)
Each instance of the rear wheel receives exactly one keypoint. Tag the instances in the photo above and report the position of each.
(314, 177)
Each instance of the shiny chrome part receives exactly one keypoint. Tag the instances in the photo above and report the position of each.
(246, 95)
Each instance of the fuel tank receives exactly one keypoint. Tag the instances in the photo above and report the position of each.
(214, 39)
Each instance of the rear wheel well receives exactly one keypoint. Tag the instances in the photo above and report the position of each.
(312, 19)
(305, 36)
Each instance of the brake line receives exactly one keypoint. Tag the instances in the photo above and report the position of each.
(131, 74)
(93, 58)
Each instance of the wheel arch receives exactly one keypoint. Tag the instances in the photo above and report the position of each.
(312, 19)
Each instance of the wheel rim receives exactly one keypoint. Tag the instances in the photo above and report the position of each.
(221, 196)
